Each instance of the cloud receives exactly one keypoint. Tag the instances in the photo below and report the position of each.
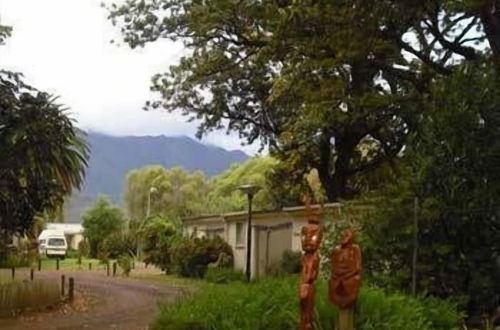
(63, 47)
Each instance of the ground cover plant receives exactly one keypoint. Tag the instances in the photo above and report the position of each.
(273, 304)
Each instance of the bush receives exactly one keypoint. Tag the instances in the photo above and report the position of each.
(73, 254)
(84, 248)
(125, 263)
(223, 275)
(289, 264)
(116, 244)
(158, 236)
(192, 256)
(273, 304)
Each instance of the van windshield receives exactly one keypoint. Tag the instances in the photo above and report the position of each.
(56, 242)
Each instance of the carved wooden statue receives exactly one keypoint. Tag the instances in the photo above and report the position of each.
(346, 278)
(311, 239)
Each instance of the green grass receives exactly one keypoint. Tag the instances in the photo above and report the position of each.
(71, 264)
(273, 304)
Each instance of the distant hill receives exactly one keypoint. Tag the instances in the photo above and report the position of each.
(112, 157)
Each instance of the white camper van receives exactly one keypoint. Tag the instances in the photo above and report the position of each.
(52, 243)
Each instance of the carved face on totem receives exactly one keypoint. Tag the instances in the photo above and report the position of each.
(347, 238)
(311, 237)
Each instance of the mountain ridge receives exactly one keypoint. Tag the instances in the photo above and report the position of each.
(112, 157)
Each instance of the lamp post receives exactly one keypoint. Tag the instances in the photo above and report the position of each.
(148, 210)
(250, 191)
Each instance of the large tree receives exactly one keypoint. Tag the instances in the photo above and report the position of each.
(451, 168)
(332, 85)
(43, 156)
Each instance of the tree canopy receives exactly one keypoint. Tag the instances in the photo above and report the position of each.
(101, 221)
(43, 154)
(326, 85)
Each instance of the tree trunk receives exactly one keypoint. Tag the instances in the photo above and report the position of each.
(490, 17)
(335, 179)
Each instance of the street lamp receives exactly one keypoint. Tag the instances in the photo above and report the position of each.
(250, 191)
(148, 210)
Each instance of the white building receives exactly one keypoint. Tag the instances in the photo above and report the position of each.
(72, 231)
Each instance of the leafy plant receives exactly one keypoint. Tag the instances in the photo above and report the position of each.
(223, 275)
(273, 304)
(192, 256)
(125, 263)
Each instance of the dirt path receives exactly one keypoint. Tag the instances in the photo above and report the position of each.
(116, 304)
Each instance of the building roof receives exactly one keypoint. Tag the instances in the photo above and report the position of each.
(67, 228)
(230, 216)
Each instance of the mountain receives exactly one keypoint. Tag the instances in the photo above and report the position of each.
(112, 157)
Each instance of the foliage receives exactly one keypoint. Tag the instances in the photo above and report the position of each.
(84, 248)
(324, 84)
(172, 193)
(16, 296)
(43, 154)
(191, 257)
(451, 167)
(100, 221)
(290, 263)
(158, 236)
(118, 243)
(273, 304)
(224, 193)
(125, 263)
(223, 275)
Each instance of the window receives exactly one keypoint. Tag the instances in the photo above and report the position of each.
(42, 241)
(240, 233)
(56, 242)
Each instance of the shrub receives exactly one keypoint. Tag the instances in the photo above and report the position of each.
(223, 275)
(117, 244)
(273, 304)
(289, 264)
(158, 234)
(125, 263)
(83, 248)
(192, 256)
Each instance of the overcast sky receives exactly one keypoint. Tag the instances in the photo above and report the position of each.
(63, 47)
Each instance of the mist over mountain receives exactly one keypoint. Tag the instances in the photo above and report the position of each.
(112, 157)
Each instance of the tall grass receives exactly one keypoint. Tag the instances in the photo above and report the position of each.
(273, 304)
(18, 295)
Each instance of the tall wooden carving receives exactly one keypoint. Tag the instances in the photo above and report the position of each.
(346, 279)
(311, 238)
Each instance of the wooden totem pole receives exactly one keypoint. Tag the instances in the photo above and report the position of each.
(345, 281)
(311, 239)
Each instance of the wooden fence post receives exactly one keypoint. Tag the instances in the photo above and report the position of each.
(114, 269)
(107, 268)
(71, 288)
(63, 283)
(32, 274)
(57, 264)
(90, 266)
(13, 272)
(39, 264)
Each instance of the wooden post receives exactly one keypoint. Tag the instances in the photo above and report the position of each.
(346, 319)
(63, 283)
(57, 263)
(39, 264)
(13, 272)
(90, 266)
(114, 269)
(415, 248)
(133, 264)
(32, 274)
(107, 268)
(71, 288)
